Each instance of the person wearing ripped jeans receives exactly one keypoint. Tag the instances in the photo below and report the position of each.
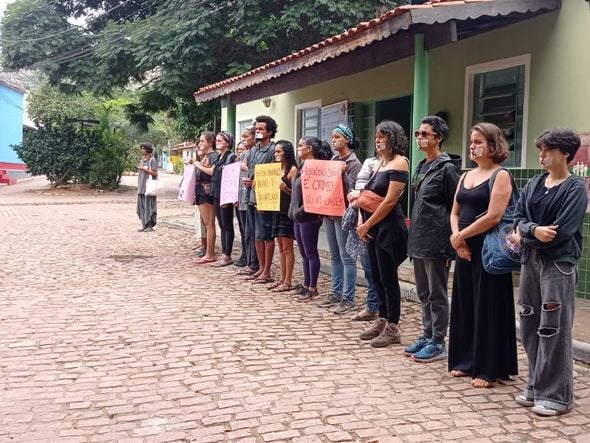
(548, 225)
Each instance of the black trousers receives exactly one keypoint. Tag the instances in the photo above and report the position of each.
(241, 215)
(385, 281)
(225, 219)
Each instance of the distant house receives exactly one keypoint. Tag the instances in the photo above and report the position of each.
(11, 131)
(521, 64)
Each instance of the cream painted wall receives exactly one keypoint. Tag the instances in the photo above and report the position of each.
(559, 93)
(388, 81)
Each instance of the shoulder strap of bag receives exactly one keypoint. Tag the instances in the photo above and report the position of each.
(515, 193)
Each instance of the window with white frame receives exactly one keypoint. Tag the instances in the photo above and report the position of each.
(244, 124)
(497, 92)
(308, 119)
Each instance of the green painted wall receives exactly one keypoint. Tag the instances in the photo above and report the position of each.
(559, 91)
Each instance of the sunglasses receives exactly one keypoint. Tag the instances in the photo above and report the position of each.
(423, 134)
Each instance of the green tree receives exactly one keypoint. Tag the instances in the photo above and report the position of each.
(59, 150)
(170, 47)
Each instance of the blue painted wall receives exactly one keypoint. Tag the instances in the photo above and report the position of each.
(11, 122)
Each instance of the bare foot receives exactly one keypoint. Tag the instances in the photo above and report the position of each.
(456, 373)
(481, 383)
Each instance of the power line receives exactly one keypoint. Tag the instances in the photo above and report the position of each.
(31, 40)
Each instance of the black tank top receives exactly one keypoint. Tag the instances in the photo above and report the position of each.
(473, 202)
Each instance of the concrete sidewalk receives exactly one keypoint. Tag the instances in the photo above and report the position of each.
(408, 289)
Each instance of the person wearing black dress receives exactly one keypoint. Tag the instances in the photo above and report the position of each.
(282, 226)
(482, 338)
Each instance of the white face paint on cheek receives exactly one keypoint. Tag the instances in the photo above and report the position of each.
(477, 152)
(547, 161)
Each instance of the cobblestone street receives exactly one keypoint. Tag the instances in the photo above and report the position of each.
(107, 334)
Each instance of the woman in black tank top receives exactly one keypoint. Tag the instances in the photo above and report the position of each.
(386, 232)
(482, 339)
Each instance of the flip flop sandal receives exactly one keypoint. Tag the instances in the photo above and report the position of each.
(261, 281)
(219, 263)
(274, 285)
(282, 288)
(251, 277)
(201, 261)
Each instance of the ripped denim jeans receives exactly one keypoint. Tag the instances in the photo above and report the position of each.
(547, 298)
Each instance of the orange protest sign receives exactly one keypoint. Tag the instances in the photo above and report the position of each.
(323, 192)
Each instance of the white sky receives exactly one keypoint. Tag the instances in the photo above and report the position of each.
(3, 4)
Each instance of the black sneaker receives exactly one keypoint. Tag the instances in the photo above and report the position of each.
(240, 263)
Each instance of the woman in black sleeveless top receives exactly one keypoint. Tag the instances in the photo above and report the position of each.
(386, 231)
(282, 226)
(482, 339)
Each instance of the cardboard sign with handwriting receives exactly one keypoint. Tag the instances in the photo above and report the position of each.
(323, 191)
(186, 193)
(267, 180)
(230, 183)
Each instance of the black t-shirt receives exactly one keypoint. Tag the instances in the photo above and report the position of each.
(541, 199)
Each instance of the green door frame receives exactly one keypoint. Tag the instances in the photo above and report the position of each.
(421, 101)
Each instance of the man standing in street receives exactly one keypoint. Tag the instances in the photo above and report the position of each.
(263, 152)
(434, 184)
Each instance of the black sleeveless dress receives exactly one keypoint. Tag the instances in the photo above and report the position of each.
(282, 225)
(482, 338)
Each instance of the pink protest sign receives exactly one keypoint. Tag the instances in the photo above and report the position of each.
(187, 186)
(323, 192)
(230, 183)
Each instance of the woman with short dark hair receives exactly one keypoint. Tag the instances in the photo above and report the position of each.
(549, 222)
(482, 338)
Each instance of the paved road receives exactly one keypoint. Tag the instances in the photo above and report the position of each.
(107, 334)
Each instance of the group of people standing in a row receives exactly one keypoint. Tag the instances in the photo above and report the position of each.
(450, 216)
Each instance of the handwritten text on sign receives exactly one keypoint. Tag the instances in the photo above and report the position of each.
(268, 193)
(323, 192)
(230, 182)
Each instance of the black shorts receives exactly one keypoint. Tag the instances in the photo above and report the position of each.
(263, 226)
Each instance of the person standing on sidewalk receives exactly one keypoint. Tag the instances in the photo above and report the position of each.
(435, 182)
(247, 221)
(342, 265)
(264, 152)
(371, 310)
(282, 226)
(385, 231)
(203, 193)
(224, 144)
(482, 336)
(549, 223)
(307, 225)
(242, 150)
(147, 205)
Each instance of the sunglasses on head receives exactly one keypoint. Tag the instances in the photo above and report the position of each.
(423, 134)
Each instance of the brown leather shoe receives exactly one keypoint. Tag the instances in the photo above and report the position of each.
(389, 336)
(375, 329)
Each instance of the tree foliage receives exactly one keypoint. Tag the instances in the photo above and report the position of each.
(170, 47)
